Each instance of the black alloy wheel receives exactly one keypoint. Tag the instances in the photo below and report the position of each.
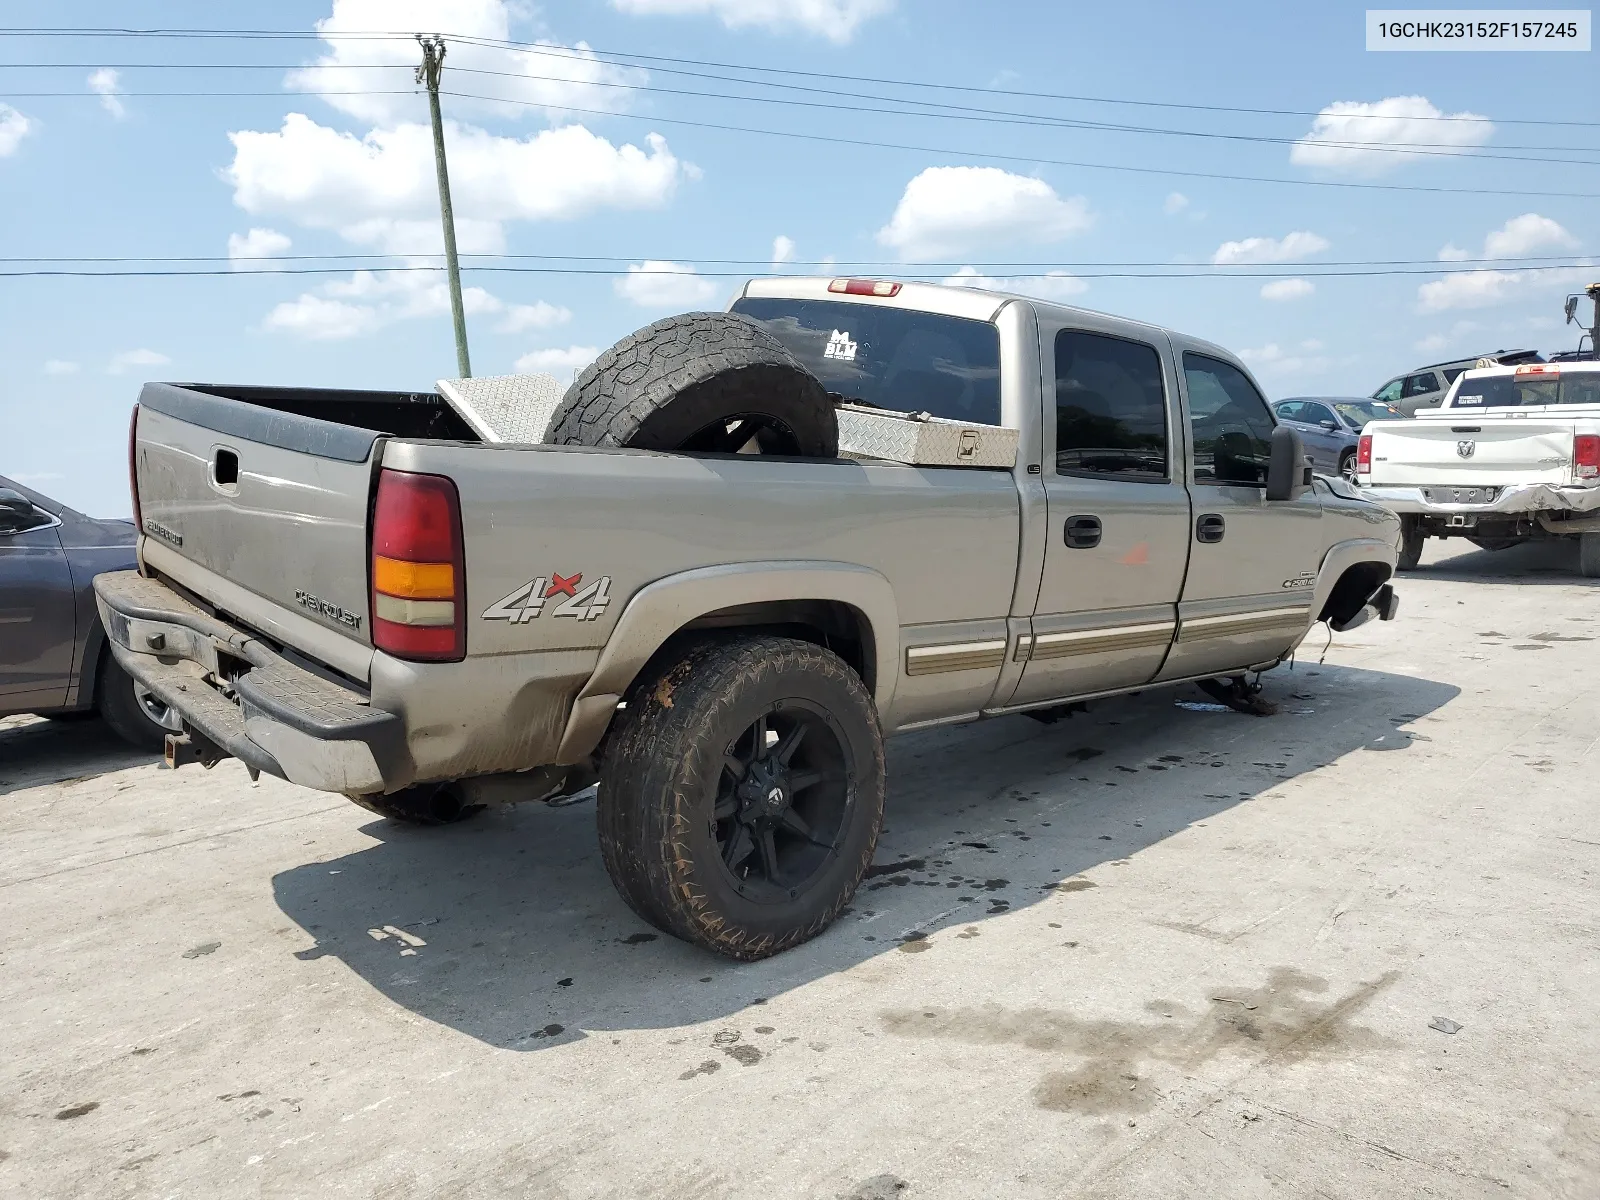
(782, 799)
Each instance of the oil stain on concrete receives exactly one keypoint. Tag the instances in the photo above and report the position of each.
(1284, 1020)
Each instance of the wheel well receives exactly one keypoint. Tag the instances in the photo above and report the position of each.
(1354, 588)
(832, 624)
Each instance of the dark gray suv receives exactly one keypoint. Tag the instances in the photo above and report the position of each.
(53, 658)
(1330, 427)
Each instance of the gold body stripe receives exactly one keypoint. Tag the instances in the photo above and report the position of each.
(1097, 641)
(957, 656)
(1286, 620)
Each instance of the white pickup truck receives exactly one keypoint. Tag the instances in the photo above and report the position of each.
(1511, 455)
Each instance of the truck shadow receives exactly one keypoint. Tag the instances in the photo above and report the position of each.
(34, 753)
(507, 929)
(1458, 561)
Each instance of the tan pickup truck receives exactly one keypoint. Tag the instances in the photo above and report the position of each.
(352, 591)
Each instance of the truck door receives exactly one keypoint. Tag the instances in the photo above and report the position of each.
(1252, 562)
(1117, 512)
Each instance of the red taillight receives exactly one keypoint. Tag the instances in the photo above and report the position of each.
(419, 578)
(865, 287)
(1539, 369)
(133, 466)
(1586, 456)
(1364, 455)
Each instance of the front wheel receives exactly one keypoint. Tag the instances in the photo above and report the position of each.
(1411, 539)
(740, 799)
(1347, 467)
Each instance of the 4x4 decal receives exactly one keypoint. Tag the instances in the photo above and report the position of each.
(528, 601)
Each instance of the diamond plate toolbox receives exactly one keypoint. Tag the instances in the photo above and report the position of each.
(922, 440)
(505, 408)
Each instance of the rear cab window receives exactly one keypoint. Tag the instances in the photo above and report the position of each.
(891, 358)
(1545, 389)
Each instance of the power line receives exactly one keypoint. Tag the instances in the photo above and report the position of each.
(905, 146)
(630, 57)
(947, 111)
(1557, 260)
(1054, 162)
(1211, 272)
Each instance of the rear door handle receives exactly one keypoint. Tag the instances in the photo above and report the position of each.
(1209, 528)
(1081, 533)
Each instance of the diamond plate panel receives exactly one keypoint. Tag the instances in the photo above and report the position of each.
(922, 440)
(505, 408)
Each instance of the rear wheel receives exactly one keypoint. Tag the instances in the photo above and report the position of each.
(740, 800)
(1589, 555)
(1347, 466)
(133, 713)
(1411, 539)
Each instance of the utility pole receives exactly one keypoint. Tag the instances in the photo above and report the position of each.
(428, 72)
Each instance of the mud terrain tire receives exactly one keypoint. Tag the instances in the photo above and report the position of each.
(718, 822)
(701, 381)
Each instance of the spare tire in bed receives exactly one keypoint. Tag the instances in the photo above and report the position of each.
(699, 381)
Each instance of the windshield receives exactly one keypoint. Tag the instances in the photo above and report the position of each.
(891, 357)
(1359, 412)
(1525, 391)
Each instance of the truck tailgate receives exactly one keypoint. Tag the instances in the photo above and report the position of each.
(1464, 451)
(273, 503)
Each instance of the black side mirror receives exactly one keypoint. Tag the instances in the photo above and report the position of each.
(1288, 474)
(1330, 426)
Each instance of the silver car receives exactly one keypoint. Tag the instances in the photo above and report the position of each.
(1330, 427)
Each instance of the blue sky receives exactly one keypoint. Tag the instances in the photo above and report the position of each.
(106, 169)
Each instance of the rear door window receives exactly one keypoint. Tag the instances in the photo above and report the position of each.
(1420, 385)
(890, 358)
(1111, 408)
(1231, 425)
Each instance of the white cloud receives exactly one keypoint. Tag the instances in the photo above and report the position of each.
(1273, 360)
(1299, 244)
(1485, 289)
(520, 318)
(1287, 289)
(782, 249)
(1523, 236)
(658, 284)
(246, 250)
(946, 211)
(1450, 252)
(321, 319)
(562, 363)
(1057, 285)
(566, 77)
(836, 20)
(369, 301)
(380, 189)
(106, 84)
(13, 128)
(135, 358)
(1519, 237)
(59, 366)
(1176, 202)
(1343, 135)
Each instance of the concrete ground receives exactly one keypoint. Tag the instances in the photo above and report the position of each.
(1346, 951)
